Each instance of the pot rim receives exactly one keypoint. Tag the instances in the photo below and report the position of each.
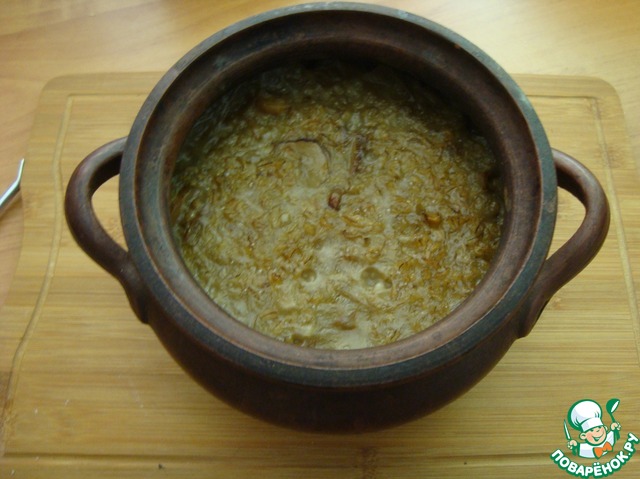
(174, 290)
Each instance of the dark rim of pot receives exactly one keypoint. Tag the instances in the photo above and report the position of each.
(449, 63)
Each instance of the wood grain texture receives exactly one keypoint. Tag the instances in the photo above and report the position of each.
(87, 391)
(41, 40)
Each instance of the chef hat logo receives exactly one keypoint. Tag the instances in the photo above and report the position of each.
(585, 415)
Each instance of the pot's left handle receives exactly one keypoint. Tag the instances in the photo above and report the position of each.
(95, 170)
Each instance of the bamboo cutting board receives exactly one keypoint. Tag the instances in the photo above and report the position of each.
(86, 390)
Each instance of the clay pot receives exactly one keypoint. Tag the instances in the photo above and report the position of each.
(327, 390)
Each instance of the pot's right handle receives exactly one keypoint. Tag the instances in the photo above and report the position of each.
(573, 256)
(95, 170)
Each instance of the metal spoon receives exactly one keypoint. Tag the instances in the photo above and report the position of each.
(13, 190)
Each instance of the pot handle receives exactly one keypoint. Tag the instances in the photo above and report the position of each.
(95, 170)
(573, 256)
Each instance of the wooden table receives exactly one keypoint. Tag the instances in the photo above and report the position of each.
(40, 42)
(43, 40)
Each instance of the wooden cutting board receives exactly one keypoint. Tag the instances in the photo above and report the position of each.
(86, 390)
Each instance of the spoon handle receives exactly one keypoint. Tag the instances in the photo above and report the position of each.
(12, 191)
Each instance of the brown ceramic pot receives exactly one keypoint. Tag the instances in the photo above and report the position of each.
(327, 390)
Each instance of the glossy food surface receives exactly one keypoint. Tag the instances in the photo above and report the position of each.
(336, 206)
